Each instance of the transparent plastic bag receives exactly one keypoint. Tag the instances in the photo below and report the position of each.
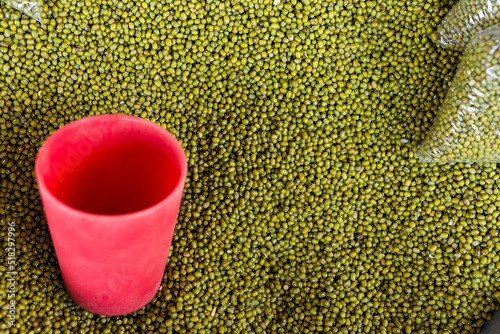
(465, 19)
(467, 127)
(32, 8)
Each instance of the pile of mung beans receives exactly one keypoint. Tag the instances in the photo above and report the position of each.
(305, 209)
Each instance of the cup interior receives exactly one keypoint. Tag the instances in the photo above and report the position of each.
(111, 165)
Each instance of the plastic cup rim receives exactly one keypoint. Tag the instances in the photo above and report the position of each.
(179, 186)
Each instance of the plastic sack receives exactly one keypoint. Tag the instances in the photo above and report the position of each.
(467, 126)
(32, 8)
(465, 19)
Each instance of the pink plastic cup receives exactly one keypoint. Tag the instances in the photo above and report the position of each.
(111, 187)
